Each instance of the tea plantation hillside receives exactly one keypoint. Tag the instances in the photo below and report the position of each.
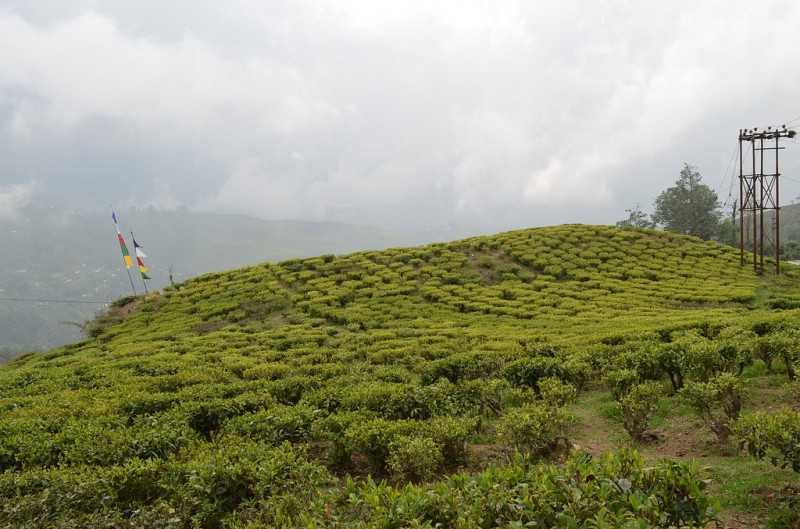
(499, 381)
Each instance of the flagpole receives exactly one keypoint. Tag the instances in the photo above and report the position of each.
(130, 278)
(116, 230)
(136, 254)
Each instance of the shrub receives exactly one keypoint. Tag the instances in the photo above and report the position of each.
(620, 382)
(528, 371)
(771, 435)
(275, 425)
(637, 406)
(535, 428)
(718, 402)
(452, 434)
(268, 371)
(737, 346)
(557, 393)
(763, 351)
(332, 430)
(784, 345)
(372, 438)
(671, 358)
(414, 458)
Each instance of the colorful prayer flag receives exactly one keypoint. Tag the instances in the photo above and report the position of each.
(140, 255)
(122, 246)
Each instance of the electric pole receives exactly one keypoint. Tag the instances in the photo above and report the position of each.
(759, 191)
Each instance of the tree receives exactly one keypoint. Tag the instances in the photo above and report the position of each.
(636, 219)
(690, 207)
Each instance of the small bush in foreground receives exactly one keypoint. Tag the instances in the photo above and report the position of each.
(637, 406)
(718, 402)
(536, 428)
(774, 436)
(414, 458)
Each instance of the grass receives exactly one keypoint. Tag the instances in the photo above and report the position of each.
(745, 489)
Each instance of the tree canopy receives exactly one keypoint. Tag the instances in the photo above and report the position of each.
(689, 207)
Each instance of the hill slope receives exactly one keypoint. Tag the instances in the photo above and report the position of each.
(406, 364)
(56, 254)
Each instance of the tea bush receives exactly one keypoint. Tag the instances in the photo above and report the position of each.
(718, 402)
(414, 458)
(637, 405)
(556, 393)
(775, 436)
(536, 428)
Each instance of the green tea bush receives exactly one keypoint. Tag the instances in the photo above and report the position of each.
(737, 346)
(221, 480)
(556, 393)
(275, 425)
(414, 458)
(528, 371)
(268, 371)
(332, 429)
(535, 429)
(718, 402)
(373, 437)
(775, 436)
(611, 492)
(452, 434)
(784, 345)
(637, 405)
(620, 382)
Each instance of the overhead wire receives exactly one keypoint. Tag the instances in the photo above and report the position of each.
(731, 172)
(49, 300)
(728, 174)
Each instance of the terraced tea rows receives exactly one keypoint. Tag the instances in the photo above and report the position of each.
(245, 398)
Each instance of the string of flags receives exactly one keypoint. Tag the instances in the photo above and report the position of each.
(126, 256)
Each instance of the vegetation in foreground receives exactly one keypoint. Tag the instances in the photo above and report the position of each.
(493, 382)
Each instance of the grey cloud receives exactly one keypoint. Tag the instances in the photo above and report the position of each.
(411, 114)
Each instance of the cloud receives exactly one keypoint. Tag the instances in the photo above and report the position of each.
(13, 198)
(415, 114)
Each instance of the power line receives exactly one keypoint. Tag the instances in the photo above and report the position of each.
(793, 120)
(46, 300)
(728, 173)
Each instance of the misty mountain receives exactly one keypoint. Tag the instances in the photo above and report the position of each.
(55, 254)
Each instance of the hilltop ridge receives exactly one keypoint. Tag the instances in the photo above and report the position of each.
(557, 283)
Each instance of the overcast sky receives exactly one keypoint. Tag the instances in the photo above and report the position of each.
(480, 115)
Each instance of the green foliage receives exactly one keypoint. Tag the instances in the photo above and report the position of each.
(775, 436)
(637, 405)
(414, 458)
(536, 428)
(556, 393)
(233, 398)
(718, 402)
(610, 492)
(784, 345)
(690, 207)
(620, 382)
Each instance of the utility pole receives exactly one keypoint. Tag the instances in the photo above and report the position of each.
(759, 191)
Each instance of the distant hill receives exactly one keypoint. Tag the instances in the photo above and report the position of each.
(250, 397)
(50, 253)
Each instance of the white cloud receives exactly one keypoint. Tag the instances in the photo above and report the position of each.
(490, 115)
